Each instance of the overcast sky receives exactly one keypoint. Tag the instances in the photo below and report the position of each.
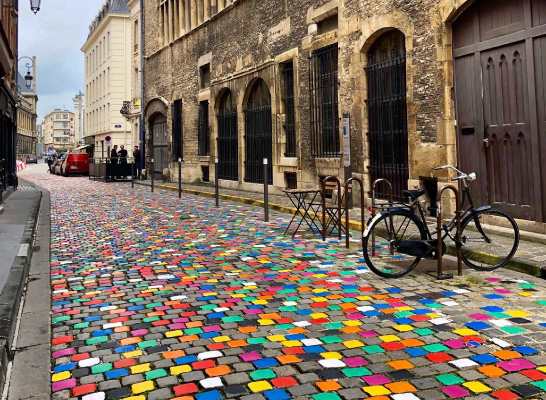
(55, 36)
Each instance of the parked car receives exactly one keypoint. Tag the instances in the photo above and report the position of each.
(75, 163)
(57, 162)
(32, 159)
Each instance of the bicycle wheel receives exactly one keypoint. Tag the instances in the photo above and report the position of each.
(381, 244)
(495, 248)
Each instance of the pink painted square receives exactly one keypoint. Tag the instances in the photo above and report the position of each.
(376, 380)
(480, 317)
(355, 361)
(517, 364)
(249, 357)
(455, 391)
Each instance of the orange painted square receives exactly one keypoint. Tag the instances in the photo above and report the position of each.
(194, 324)
(120, 329)
(287, 359)
(270, 316)
(237, 343)
(218, 371)
(380, 296)
(400, 387)
(400, 364)
(412, 342)
(298, 330)
(328, 386)
(350, 329)
(491, 371)
(173, 354)
(506, 354)
(378, 398)
(155, 314)
(129, 341)
(189, 338)
(247, 329)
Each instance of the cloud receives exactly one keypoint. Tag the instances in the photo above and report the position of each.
(55, 36)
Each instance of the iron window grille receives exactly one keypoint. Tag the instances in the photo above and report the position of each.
(289, 109)
(387, 114)
(323, 94)
(177, 139)
(227, 141)
(203, 130)
(258, 135)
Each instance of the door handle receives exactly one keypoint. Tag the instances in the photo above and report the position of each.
(486, 141)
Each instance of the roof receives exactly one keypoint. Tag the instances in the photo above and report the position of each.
(119, 6)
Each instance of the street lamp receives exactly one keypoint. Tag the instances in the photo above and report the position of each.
(28, 76)
(35, 6)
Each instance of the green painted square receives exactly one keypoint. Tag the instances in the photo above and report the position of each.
(152, 305)
(249, 299)
(499, 315)
(81, 325)
(449, 379)
(403, 314)
(326, 396)
(284, 326)
(293, 298)
(334, 325)
(156, 373)
(373, 349)
(334, 307)
(256, 340)
(193, 331)
(150, 319)
(435, 348)
(423, 332)
(96, 340)
(288, 309)
(331, 339)
(435, 305)
(209, 307)
(541, 302)
(101, 368)
(355, 372)
(540, 384)
(513, 329)
(147, 343)
(233, 318)
(60, 319)
(262, 374)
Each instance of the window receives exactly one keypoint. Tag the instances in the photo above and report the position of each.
(178, 143)
(323, 95)
(289, 109)
(204, 76)
(327, 25)
(205, 174)
(203, 132)
(291, 179)
(58, 116)
(65, 116)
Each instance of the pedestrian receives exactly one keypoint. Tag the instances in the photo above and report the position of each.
(136, 155)
(123, 158)
(114, 157)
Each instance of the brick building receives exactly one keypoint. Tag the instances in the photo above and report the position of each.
(246, 79)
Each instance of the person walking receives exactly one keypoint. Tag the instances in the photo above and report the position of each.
(137, 157)
(114, 157)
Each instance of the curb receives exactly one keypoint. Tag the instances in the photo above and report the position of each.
(515, 264)
(10, 298)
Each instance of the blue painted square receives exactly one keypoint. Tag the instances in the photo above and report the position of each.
(477, 325)
(314, 349)
(209, 335)
(124, 349)
(493, 296)
(277, 394)
(65, 367)
(484, 359)
(449, 294)
(394, 290)
(304, 312)
(212, 395)
(216, 315)
(185, 360)
(91, 319)
(116, 373)
(297, 336)
(416, 352)
(372, 313)
(265, 363)
(381, 306)
(425, 301)
(525, 350)
(493, 309)
(421, 311)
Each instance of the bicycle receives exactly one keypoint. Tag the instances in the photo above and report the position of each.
(398, 238)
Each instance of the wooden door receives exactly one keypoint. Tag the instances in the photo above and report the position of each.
(160, 146)
(498, 83)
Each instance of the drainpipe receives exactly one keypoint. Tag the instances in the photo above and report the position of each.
(142, 123)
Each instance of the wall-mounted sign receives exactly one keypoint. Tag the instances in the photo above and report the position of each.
(346, 123)
(107, 138)
(117, 126)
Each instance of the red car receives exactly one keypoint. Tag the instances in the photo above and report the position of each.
(75, 163)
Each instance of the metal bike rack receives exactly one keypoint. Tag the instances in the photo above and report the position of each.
(323, 193)
(362, 227)
(389, 185)
(440, 273)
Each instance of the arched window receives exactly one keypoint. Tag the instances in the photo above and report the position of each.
(387, 113)
(228, 158)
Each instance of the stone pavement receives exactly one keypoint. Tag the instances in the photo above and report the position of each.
(160, 298)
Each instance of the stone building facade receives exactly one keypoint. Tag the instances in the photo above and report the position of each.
(58, 130)
(388, 64)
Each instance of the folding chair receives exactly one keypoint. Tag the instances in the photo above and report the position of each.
(332, 205)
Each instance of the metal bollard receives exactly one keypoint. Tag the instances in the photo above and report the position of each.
(133, 174)
(266, 194)
(152, 172)
(179, 178)
(216, 183)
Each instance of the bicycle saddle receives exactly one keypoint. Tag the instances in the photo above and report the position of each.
(413, 194)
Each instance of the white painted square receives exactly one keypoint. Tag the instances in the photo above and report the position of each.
(332, 363)
(88, 362)
(209, 354)
(463, 363)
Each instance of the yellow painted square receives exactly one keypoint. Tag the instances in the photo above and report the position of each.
(465, 332)
(403, 328)
(220, 339)
(352, 323)
(259, 302)
(321, 290)
(351, 344)
(432, 315)
(542, 369)
(526, 294)
(517, 313)
(180, 369)
(266, 321)
(405, 308)
(332, 355)
(318, 315)
(61, 376)
(132, 354)
(291, 343)
(376, 390)
(477, 387)
(238, 296)
(137, 369)
(174, 333)
(319, 299)
(135, 398)
(276, 338)
(259, 386)
(320, 275)
(364, 298)
(142, 387)
(389, 338)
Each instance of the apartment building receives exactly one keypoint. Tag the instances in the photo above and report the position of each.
(108, 60)
(58, 131)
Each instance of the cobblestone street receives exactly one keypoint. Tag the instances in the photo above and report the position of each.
(160, 298)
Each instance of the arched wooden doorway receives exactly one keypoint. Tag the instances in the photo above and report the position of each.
(160, 144)
(228, 149)
(500, 71)
(387, 113)
(258, 136)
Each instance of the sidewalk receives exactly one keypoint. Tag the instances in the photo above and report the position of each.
(530, 257)
(17, 226)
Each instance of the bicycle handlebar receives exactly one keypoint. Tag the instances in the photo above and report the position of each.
(461, 175)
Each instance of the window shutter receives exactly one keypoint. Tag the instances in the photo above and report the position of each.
(177, 133)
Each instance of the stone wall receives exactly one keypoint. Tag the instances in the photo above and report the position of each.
(251, 38)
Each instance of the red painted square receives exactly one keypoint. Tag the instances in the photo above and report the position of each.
(293, 350)
(284, 382)
(392, 346)
(186, 388)
(203, 364)
(78, 357)
(62, 339)
(124, 363)
(84, 389)
(216, 346)
(439, 357)
(534, 374)
(505, 395)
